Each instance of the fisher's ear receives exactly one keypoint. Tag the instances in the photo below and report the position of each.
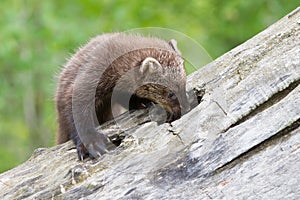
(173, 44)
(149, 66)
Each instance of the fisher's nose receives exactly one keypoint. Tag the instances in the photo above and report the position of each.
(184, 103)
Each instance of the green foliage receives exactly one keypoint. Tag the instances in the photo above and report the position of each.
(37, 37)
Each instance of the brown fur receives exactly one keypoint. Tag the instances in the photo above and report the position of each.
(101, 65)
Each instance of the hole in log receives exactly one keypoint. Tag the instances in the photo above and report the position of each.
(195, 97)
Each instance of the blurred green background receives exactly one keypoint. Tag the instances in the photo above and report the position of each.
(38, 36)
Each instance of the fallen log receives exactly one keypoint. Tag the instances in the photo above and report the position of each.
(242, 140)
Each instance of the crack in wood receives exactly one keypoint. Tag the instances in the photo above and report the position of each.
(281, 135)
(294, 12)
(275, 98)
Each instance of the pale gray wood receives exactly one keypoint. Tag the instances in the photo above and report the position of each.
(241, 142)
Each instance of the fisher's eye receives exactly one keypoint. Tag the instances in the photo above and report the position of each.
(171, 95)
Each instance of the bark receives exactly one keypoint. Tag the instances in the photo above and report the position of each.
(241, 142)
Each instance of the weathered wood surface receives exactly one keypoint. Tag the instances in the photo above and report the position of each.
(241, 142)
